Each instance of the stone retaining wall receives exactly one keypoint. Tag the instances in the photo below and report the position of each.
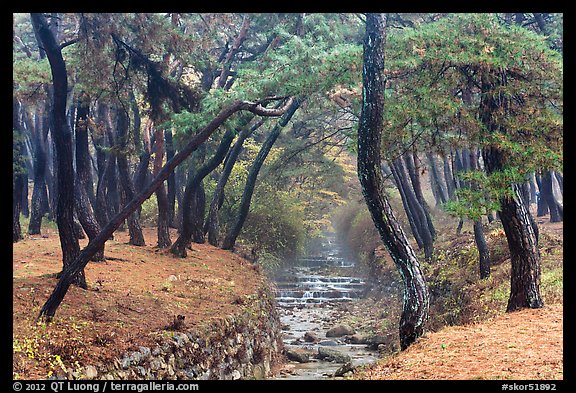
(245, 345)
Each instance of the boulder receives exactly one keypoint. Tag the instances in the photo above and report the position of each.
(311, 337)
(345, 368)
(340, 330)
(332, 355)
(374, 341)
(297, 355)
(356, 339)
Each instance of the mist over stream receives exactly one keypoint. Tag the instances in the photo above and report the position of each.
(308, 293)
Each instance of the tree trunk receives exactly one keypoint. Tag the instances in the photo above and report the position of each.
(164, 240)
(230, 239)
(112, 192)
(171, 182)
(560, 180)
(542, 204)
(416, 298)
(414, 173)
(547, 194)
(134, 228)
(449, 176)
(83, 206)
(483, 251)
(63, 140)
(481, 245)
(198, 212)
(39, 204)
(18, 170)
(77, 266)
(102, 159)
(533, 189)
(411, 218)
(193, 197)
(415, 209)
(212, 224)
(439, 188)
(515, 217)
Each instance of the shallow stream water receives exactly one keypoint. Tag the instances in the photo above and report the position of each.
(308, 293)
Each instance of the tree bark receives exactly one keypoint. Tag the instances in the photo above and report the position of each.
(73, 269)
(193, 198)
(547, 194)
(416, 298)
(83, 206)
(439, 188)
(134, 228)
(39, 204)
(414, 173)
(19, 170)
(164, 240)
(515, 217)
(481, 245)
(63, 140)
(212, 223)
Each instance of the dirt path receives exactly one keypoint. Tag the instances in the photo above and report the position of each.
(525, 344)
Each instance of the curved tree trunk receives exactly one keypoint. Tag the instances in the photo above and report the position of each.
(515, 217)
(193, 198)
(83, 206)
(414, 173)
(134, 228)
(63, 140)
(212, 225)
(416, 299)
(230, 239)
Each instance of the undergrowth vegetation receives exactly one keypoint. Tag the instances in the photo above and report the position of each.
(457, 294)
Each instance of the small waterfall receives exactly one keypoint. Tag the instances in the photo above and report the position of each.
(306, 283)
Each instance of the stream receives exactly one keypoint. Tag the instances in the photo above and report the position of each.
(308, 293)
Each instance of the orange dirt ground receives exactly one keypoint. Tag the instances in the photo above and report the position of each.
(522, 345)
(525, 344)
(130, 301)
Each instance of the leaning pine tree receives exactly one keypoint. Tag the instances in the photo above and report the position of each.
(416, 298)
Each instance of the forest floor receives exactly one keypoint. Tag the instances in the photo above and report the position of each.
(135, 295)
(521, 345)
(525, 344)
(132, 299)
